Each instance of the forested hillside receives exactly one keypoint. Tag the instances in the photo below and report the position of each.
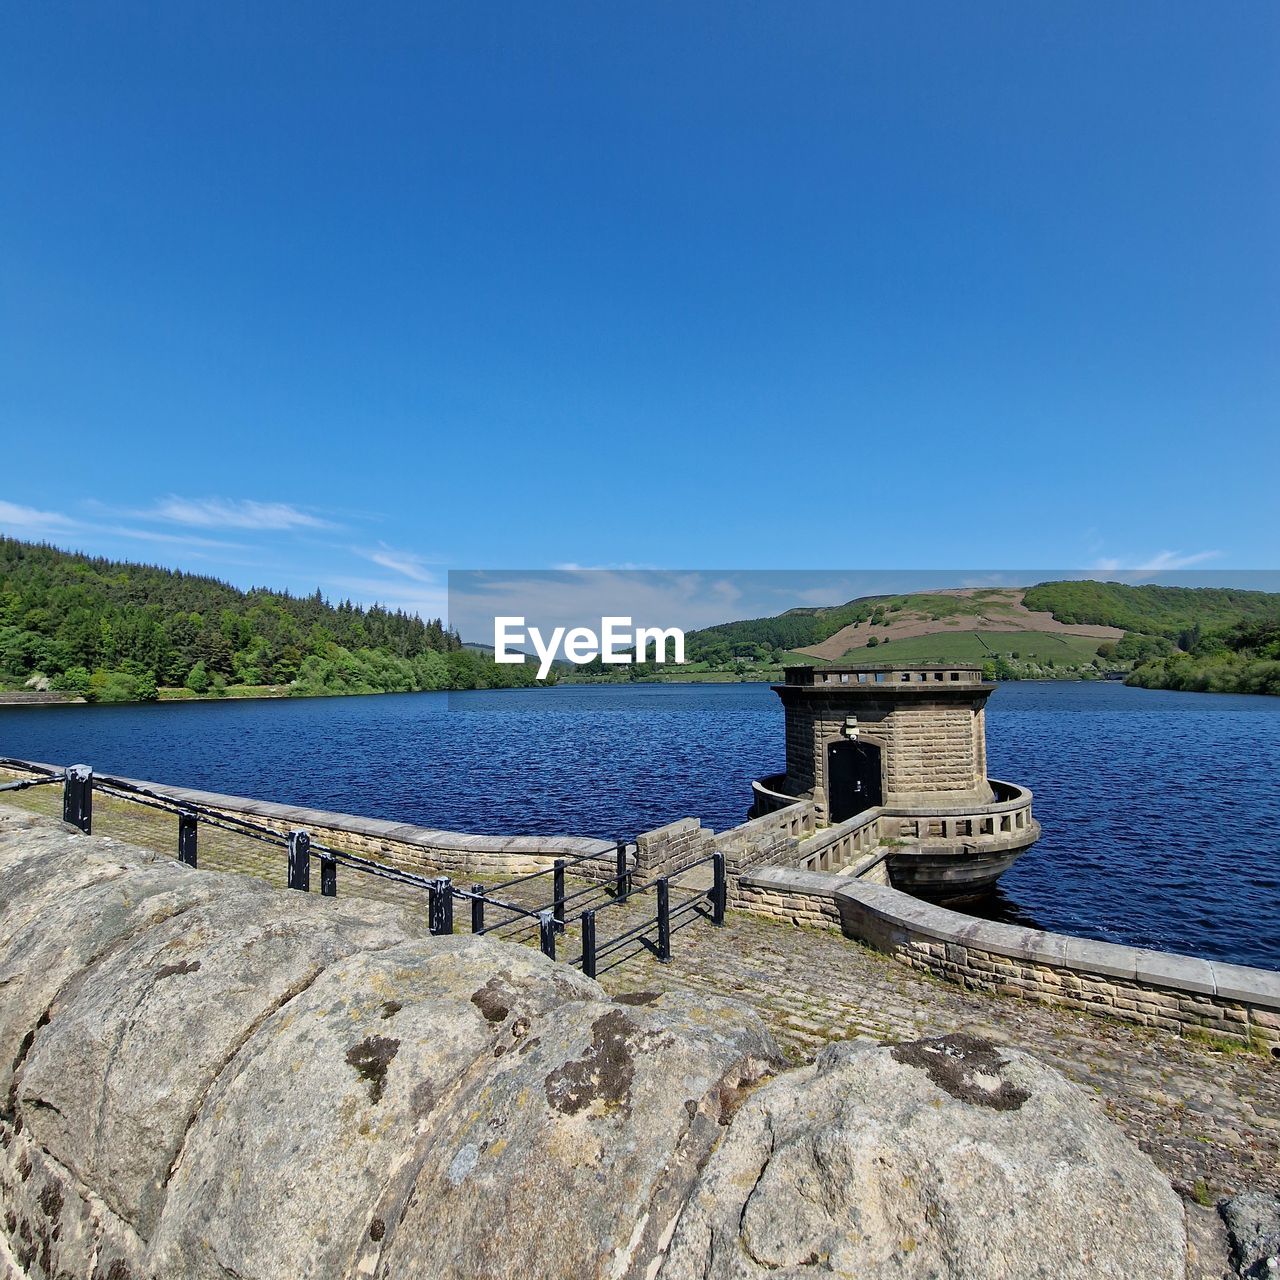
(1180, 614)
(1244, 660)
(115, 631)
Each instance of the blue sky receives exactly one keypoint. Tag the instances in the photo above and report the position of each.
(349, 295)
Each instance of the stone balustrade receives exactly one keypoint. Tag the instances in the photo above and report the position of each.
(1006, 820)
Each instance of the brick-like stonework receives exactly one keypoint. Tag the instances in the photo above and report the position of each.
(666, 851)
(418, 850)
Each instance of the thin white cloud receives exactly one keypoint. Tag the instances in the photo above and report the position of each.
(408, 563)
(14, 515)
(1161, 562)
(598, 568)
(1176, 560)
(231, 513)
(28, 521)
(389, 593)
(165, 539)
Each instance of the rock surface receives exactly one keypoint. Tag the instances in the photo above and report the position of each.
(1253, 1228)
(204, 1077)
(939, 1158)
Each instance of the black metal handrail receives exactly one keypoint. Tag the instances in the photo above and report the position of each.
(79, 784)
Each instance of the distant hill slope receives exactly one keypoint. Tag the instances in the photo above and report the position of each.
(1172, 612)
(1069, 627)
(984, 610)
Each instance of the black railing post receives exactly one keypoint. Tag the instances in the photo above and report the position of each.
(188, 838)
(557, 893)
(77, 797)
(440, 905)
(719, 888)
(547, 934)
(328, 875)
(589, 943)
(477, 909)
(299, 861)
(664, 919)
(620, 881)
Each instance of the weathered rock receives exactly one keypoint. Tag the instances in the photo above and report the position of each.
(135, 1041)
(214, 1080)
(624, 1098)
(944, 1158)
(1253, 1228)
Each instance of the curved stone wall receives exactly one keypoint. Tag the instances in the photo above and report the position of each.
(1151, 988)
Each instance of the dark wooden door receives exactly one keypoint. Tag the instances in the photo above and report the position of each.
(853, 778)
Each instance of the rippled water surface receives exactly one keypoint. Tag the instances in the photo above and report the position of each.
(1161, 811)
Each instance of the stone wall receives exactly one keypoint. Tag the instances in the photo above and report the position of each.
(1149, 988)
(420, 850)
(760, 842)
(773, 839)
(668, 850)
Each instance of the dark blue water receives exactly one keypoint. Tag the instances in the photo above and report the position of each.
(1161, 811)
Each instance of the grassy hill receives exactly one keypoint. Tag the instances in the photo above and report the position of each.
(1072, 629)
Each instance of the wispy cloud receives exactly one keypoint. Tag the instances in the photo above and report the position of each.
(165, 539)
(231, 513)
(28, 520)
(410, 564)
(425, 601)
(570, 567)
(1161, 562)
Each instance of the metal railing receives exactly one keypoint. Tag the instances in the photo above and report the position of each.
(516, 922)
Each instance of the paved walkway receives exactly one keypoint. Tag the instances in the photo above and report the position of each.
(1210, 1120)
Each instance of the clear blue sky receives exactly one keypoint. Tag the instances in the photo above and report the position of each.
(346, 295)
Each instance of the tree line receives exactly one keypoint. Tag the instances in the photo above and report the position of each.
(1245, 659)
(115, 631)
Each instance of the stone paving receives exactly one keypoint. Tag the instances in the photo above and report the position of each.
(1209, 1118)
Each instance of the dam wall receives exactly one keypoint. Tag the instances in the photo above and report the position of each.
(1151, 988)
(420, 850)
(778, 867)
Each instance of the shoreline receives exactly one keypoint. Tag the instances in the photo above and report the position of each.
(20, 699)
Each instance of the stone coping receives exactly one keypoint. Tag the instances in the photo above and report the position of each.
(374, 828)
(1020, 799)
(926, 920)
(825, 836)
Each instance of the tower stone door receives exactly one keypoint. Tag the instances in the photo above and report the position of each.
(853, 778)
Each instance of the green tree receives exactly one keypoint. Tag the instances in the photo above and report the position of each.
(73, 680)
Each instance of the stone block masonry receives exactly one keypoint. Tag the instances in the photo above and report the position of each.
(932, 739)
(666, 851)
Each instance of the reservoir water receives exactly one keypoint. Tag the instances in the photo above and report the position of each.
(1160, 811)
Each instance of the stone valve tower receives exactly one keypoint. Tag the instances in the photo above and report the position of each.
(905, 747)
